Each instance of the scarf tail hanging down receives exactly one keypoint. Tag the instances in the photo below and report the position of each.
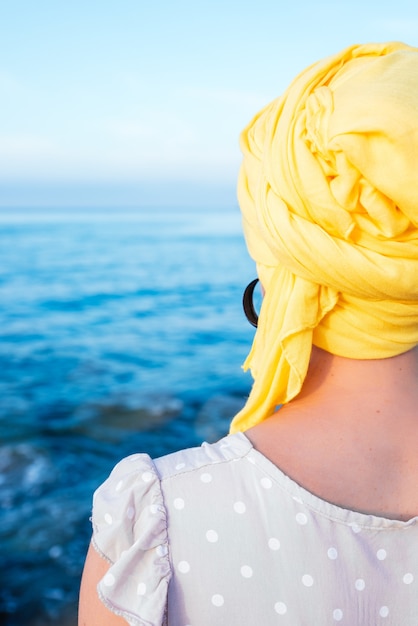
(328, 192)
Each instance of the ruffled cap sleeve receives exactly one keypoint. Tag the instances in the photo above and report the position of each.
(130, 532)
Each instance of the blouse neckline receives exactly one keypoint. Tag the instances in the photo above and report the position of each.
(356, 519)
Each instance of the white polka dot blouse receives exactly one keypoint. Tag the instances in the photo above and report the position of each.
(219, 536)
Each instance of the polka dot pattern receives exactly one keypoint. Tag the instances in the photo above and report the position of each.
(332, 553)
(240, 508)
(184, 567)
(130, 512)
(326, 560)
(162, 550)
(212, 536)
(218, 600)
(274, 543)
(179, 504)
(246, 571)
(301, 519)
(280, 608)
(109, 580)
(141, 590)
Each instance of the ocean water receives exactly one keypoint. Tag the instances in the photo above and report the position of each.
(120, 332)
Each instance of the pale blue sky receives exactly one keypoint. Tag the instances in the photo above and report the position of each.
(129, 93)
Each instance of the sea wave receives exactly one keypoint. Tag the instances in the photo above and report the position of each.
(119, 333)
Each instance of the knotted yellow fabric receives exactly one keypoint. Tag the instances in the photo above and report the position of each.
(329, 195)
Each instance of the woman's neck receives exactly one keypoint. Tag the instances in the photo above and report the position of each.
(369, 386)
(351, 435)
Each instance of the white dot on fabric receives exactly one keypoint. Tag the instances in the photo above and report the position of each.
(180, 466)
(154, 509)
(337, 615)
(384, 611)
(119, 485)
(246, 571)
(179, 504)
(212, 536)
(206, 478)
(147, 477)
(301, 519)
(130, 512)
(360, 584)
(218, 600)
(274, 544)
(109, 580)
(280, 608)
(307, 580)
(108, 519)
(141, 590)
(266, 483)
(332, 554)
(355, 528)
(184, 567)
(381, 554)
(239, 507)
(162, 550)
(408, 579)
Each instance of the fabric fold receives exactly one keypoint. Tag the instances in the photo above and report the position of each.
(130, 532)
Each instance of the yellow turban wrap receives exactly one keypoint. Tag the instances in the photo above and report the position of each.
(329, 195)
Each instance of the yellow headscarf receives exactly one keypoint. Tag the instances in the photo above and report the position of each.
(329, 195)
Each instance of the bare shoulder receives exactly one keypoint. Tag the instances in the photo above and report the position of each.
(92, 612)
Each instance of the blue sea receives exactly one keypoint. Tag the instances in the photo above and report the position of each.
(120, 332)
